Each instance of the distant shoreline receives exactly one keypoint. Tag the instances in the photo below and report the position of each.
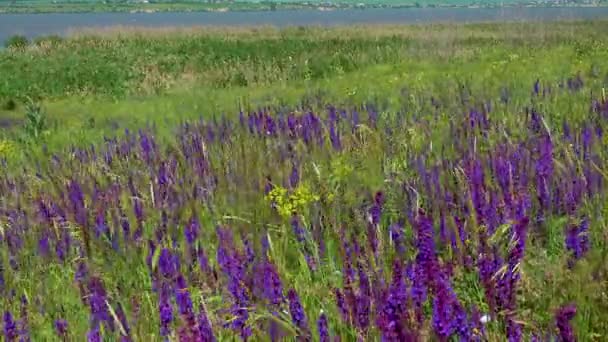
(258, 7)
(32, 26)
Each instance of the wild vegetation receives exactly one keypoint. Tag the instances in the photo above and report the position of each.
(404, 183)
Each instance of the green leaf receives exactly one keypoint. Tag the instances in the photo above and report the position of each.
(155, 258)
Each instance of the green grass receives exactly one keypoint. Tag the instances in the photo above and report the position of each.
(97, 85)
(131, 62)
(133, 77)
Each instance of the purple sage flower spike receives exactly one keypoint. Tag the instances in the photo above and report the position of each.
(204, 325)
(24, 333)
(94, 335)
(577, 240)
(10, 327)
(61, 329)
(562, 319)
(323, 328)
(165, 311)
(298, 316)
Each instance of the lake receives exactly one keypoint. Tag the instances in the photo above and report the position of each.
(33, 25)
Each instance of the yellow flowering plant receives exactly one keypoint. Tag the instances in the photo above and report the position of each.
(7, 148)
(287, 202)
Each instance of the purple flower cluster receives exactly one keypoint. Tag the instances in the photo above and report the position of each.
(387, 264)
(577, 239)
(562, 319)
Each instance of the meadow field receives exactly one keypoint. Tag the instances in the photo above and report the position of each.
(439, 182)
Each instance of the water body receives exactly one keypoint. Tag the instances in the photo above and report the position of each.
(33, 25)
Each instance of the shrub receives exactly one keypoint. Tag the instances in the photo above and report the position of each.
(16, 42)
(35, 120)
(9, 105)
(48, 40)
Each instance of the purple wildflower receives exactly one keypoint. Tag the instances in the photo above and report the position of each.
(146, 144)
(396, 234)
(203, 260)
(191, 230)
(182, 297)
(506, 287)
(94, 335)
(426, 259)
(151, 251)
(537, 87)
(478, 331)
(393, 312)
(419, 291)
(376, 209)
(122, 318)
(77, 200)
(81, 271)
(334, 136)
(232, 264)
(544, 172)
(375, 213)
(562, 319)
(323, 328)
(341, 303)
(514, 333)
(24, 334)
(298, 316)
(61, 328)
(363, 301)
(204, 325)
(268, 279)
(300, 232)
(298, 229)
(577, 240)
(294, 177)
(126, 226)
(43, 245)
(449, 317)
(249, 252)
(265, 244)
(101, 227)
(97, 303)
(165, 311)
(268, 186)
(10, 327)
(190, 330)
(167, 264)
